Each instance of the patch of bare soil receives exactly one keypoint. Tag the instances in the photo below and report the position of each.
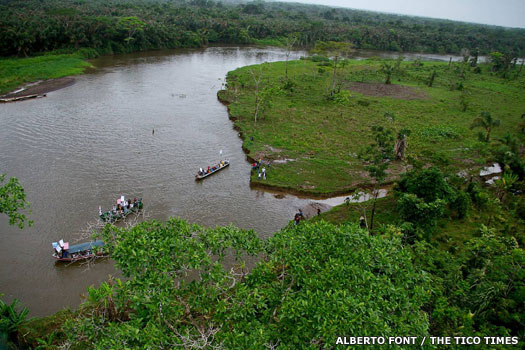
(268, 153)
(40, 87)
(310, 210)
(383, 90)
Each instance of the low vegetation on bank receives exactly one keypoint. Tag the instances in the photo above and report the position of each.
(15, 72)
(315, 123)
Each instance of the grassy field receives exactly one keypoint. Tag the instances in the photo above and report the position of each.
(320, 138)
(18, 71)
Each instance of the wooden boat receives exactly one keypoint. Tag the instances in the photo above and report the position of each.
(213, 169)
(76, 252)
(116, 215)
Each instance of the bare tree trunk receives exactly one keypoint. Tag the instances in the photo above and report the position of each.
(333, 77)
(399, 148)
(376, 194)
(257, 81)
(286, 66)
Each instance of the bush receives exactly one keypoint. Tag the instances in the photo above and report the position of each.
(461, 204)
(422, 214)
(427, 184)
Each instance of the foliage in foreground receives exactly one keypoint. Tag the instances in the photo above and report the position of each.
(315, 282)
(11, 319)
(13, 201)
(467, 237)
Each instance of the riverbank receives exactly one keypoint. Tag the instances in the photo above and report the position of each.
(313, 140)
(39, 75)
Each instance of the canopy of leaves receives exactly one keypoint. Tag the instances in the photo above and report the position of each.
(314, 283)
(478, 291)
(12, 201)
(34, 26)
(427, 184)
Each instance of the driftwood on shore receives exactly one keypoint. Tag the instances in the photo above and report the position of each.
(20, 98)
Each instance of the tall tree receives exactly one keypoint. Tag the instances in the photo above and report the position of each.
(377, 157)
(335, 50)
(291, 40)
(387, 69)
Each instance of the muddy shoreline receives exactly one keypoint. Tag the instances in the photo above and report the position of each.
(37, 89)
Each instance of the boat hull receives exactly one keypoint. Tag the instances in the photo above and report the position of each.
(80, 258)
(218, 168)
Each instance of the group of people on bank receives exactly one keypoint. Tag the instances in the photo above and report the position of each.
(260, 169)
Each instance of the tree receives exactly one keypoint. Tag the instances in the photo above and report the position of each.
(487, 122)
(131, 25)
(377, 158)
(387, 69)
(310, 278)
(422, 196)
(336, 50)
(504, 184)
(262, 94)
(401, 143)
(12, 201)
(290, 42)
(11, 320)
(432, 77)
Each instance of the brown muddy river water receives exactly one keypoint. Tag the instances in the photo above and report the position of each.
(83, 146)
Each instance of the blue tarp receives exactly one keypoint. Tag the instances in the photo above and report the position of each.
(84, 246)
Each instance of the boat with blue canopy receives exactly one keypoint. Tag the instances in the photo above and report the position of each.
(82, 251)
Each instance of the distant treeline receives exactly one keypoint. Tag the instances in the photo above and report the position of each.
(28, 27)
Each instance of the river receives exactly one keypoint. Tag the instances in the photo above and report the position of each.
(83, 146)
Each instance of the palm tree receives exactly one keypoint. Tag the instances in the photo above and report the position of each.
(486, 122)
(388, 69)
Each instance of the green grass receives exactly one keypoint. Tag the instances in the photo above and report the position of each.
(450, 233)
(18, 71)
(324, 137)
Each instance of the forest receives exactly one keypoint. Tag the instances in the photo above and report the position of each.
(31, 27)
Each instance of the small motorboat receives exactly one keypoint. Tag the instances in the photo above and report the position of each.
(212, 169)
(76, 252)
(121, 210)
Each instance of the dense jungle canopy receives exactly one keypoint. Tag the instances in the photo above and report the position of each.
(29, 27)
